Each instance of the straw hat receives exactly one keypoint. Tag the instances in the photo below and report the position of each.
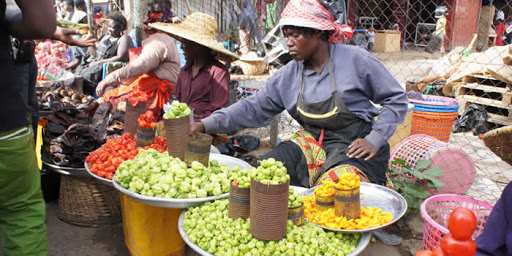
(200, 28)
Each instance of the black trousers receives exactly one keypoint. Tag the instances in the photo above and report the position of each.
(295, 162)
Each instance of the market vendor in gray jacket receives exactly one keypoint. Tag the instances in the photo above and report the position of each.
(328, 89)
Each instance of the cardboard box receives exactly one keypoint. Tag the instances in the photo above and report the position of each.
(387, 41)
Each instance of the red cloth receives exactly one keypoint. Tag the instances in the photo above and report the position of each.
(500, 30)
(147, 87)
(207, 91)
(310, 14)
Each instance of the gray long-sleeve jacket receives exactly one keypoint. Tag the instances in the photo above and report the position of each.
(359, 78)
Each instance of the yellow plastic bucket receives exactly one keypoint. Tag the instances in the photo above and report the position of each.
(150, 230)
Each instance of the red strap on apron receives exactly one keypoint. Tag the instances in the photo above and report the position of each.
(321, 138)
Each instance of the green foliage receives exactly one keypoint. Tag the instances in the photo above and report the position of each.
(415, 192)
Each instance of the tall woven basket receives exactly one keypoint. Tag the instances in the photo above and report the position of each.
(86, 202)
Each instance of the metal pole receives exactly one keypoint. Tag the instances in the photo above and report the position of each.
(405, 26)
(140, 10)
(90, 16)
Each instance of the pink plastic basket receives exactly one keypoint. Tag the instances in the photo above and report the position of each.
(458, 167)
(435, 101)
(436, 210)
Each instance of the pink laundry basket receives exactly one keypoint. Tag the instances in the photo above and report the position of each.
(458, 167)
(436, 210)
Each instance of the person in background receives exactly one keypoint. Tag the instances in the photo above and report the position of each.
(440, 31)
(167, 11)
(203, 83)
(371, 39)
(157, 66)
(500, 28)
(329, 88)
(69, 9)
(113, 47)
(80, 16)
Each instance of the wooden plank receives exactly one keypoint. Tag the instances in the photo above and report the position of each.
(460, 90)
(497, 119)
(485, 88)
(484, 101)
(507, 98)
(484, 26)
(485, 80)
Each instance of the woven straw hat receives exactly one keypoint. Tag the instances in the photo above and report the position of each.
(200, 28)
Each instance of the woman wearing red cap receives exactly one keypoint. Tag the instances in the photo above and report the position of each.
(329, 89)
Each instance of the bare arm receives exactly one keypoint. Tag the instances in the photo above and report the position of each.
(35, 21)
(65, 35)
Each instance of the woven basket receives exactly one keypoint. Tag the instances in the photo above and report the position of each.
(458, 167)
(436, 210)
(251, 64)
(499, 141)
(86, 202)
(436, 124)
(252, 68)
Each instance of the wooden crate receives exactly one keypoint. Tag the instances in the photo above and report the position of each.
(494, 95)
(387, 41)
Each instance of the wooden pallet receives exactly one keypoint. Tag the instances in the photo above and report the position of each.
(494, 95)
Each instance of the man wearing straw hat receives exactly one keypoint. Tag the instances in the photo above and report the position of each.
(203, 82)
(329, 89)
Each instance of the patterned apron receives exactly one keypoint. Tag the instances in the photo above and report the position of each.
(336, 127)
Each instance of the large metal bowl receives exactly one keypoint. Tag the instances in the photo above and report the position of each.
(363, 242)
(213, 150)
(375, 196)
(184, 202)
(72, 171)
(101, 179)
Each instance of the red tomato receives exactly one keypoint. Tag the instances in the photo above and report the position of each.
(453, 247)
(438, 252)
(462, 223)
(424, 253)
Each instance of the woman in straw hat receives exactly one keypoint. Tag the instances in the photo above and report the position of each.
(329, 89)
(154, 72)
(203, 83)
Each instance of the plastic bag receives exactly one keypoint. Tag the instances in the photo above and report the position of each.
(473, 119)
(239, 144)
(243, 143)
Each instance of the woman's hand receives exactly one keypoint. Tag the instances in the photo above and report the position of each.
(360, 148)
(100, 89)
(197, 127)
